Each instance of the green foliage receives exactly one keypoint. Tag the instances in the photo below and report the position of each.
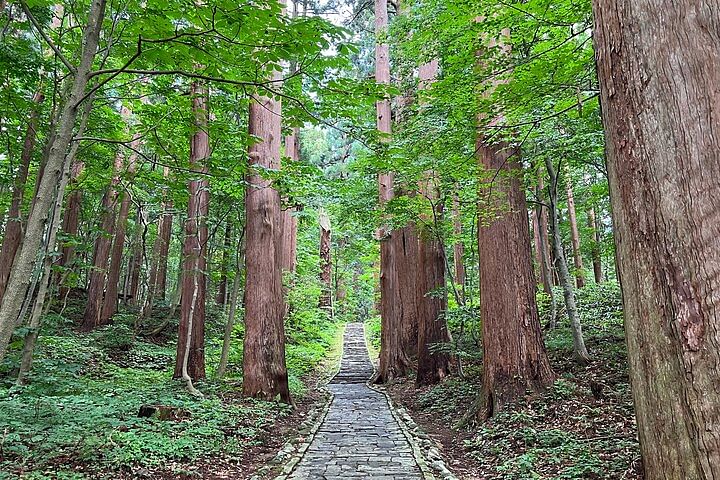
(118, 336)
(564, 432)
(83, 404)
(372, 327)
(600, 308)
(441, 400)
(529, 450)
(85, 391)
(465, 321)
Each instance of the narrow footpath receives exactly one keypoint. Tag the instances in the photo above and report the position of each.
(359, 437)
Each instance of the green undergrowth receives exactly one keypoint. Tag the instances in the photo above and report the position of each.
(372, 328)
(372, 332)
(565, 433)
(569, 431)
(79, 411)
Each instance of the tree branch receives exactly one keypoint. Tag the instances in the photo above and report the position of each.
(47, 39)
(138, 52)
(536, 121)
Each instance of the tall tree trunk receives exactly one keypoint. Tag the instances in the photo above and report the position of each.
(109, 307)
(164, 236)
(101, 254)
(662, 124)
(288, 221)
(537, 250)
(325, 263)
(71, 223)
(515, 359)
(50, 245)
(264, 370)
(458, 246)
(13, 226)
(393, 360)
(288, 258)
(222, 294)
(230, 323)
(158, 269)
(39, 307)
(154, 266)
(190, 358)
(407, 259)
(549, 248)
(581, 353)
(138, 253)
(543, 250)
(20, 276)
(177, 292)
(432, 294)
(575, 235)
(542, 240)
(596, 258)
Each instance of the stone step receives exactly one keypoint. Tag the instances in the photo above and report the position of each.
(359, 437)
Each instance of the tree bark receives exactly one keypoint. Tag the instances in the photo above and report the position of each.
(540, 221)
(458, 246)
(161, 279)
(596, 257)
(92, 317)
(581, 353)
(542, 242)
(158, 269)
(221, 294)
(138, 253)
(515, 360)
(264, 370)
(288, 259)
(13, 225)
(190, 358)
(432, 367)
(154, 267)
(538, 248)
(288, 221)
(55, 165)
(177, 292)
(163, 241)
(109, 307)
(393, 361)
(325, 264)
(407, 258)
(39, 307)
(71, 223)
(39, 310)
(575, 235)
(662, 124)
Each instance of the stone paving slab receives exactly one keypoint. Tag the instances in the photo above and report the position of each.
(359, 437)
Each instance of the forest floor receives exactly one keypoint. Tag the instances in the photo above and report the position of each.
(568, 432)
(78, 416)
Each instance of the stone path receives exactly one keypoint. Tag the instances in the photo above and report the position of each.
(359, 437)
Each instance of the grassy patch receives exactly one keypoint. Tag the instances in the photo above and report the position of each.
(81, 406)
